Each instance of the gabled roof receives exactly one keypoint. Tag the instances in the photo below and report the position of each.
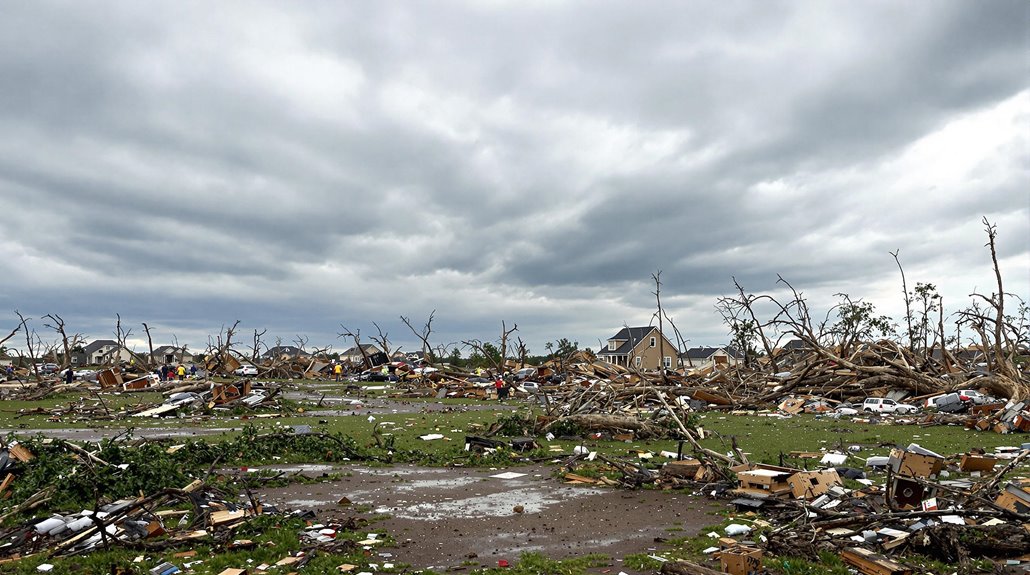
(368, 347)
(795, 344)
(166, 349)
(97, 344)
(629, 338)
(281, 350)
(707, 352)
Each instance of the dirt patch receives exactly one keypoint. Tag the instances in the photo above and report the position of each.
(444, 518)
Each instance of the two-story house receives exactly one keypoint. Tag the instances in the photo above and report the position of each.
(639, 348)
(169, 354)
(101, 352)
(354, 355)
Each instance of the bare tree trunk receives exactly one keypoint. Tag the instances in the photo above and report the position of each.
(1000, 337)
(747, 302)
(427, 329)
(150, 348)
(383, 339)
(908, 301)
(255, 350)
(504, 344)
(356, 336)
(28, 343)
(657, 277)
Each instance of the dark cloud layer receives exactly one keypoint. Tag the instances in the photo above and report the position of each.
(189, 164)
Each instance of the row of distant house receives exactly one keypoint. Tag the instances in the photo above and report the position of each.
(108, 352)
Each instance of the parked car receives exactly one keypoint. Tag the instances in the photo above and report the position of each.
(884, 405)
(246, 371)
(81, 374)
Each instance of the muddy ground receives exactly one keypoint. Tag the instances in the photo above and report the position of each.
(445, 517)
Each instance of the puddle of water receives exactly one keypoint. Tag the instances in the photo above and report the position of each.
(533, 500)
(306, 503)
(299, 468)
(421, 484)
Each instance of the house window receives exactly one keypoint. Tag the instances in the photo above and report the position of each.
(611, 345)
(668, 362)
(636, 361)
(654, 341)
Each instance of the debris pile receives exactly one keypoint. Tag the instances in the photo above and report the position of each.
(956, 509)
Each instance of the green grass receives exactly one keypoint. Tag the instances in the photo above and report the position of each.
(829, 564)
(276, 538)
(538, 564)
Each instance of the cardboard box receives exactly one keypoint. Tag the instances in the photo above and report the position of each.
(767, 480)
(1022, 422)
(686, 469)
(911, 464)
(977, 463)
(812, 484)
(910, 494)
(741, 561)
(1015, 497)
(111, 377)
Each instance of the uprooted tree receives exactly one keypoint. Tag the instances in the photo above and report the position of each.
(852, 342)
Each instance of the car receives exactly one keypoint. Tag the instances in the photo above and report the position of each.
(972, 395)
(184, 398)
(83, 374)
(530, 386)
(884, 405)
(937, 401)
(246, 371)
(48, 367)
(525, 373)
(377, 375)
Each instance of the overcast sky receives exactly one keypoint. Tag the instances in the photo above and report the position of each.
(297, 166)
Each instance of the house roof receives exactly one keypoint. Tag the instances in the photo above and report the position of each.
(630, 337)
(97, 344)
(281, 350)
(795, 344)
(707, 352)
(368, 347)
(166, 349)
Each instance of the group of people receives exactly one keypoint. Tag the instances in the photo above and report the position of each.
(169, 372)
